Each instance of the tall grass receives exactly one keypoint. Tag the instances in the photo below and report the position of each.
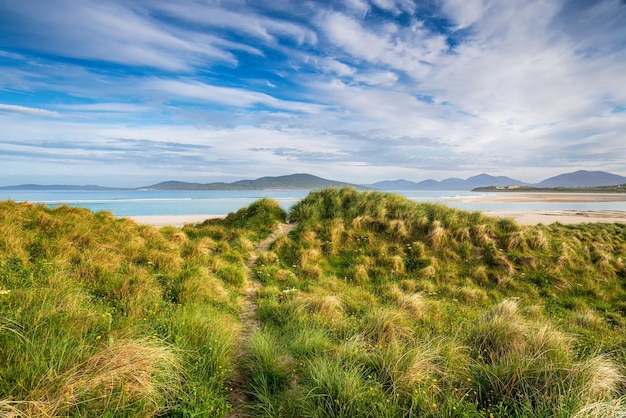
(372, 306)
(101, 316)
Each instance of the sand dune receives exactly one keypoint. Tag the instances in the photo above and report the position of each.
(530, 217)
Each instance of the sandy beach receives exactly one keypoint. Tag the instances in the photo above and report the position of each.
(546, 217)
(530, 217)
(173, 220)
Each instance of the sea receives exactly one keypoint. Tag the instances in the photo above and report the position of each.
(221, 202)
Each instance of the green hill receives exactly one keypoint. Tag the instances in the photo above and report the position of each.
(293, 181)
(371, 306)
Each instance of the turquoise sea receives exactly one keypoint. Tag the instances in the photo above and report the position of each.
(218, 202)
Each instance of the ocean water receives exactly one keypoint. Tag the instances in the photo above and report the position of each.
(219, 202)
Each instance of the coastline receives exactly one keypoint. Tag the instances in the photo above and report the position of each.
(523, 217)
(530, 197)
(171, 220)
(547, 217)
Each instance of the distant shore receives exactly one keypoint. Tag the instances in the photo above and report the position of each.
(530, 217)
(521, 197)
(527, 217)
(173, 220)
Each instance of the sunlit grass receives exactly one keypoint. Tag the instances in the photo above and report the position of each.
(372, 306)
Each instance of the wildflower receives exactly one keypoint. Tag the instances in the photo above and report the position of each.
(4, 292)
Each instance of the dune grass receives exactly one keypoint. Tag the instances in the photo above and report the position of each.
(373, 306)
(104, 317)
(423, 310)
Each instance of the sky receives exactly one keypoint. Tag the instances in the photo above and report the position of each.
(130, 93)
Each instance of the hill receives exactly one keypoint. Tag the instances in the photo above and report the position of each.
(293, 181)
(368, 304)
(582, 178)
(481, 180)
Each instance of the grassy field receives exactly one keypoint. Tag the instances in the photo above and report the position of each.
(373, 306)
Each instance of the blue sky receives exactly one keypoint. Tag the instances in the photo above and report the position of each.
(129, 93)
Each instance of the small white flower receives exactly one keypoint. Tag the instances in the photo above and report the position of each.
(4, 292)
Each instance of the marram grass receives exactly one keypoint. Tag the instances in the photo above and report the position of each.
(372, 306)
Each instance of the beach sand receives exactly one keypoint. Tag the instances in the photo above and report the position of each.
(173, 220)
(546, 217)
(530, 217)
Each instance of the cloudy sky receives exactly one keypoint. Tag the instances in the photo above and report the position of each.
(118, 92)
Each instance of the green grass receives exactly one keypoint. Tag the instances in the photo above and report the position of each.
(372, 306)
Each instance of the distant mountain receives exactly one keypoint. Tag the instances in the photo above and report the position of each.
(481, 180)
(399, 184)
(56, 187)
(293, 181)
(182, 185)
(583, 178)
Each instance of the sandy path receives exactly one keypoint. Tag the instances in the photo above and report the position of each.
(248, 317)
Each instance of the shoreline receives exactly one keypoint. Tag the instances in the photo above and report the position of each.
(566, 217)
(548, 197)
(523, 217)
(527, 217)
(172, 220)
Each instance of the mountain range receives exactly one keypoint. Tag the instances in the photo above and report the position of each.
(292, 181)
(575, 179)
(581, 178)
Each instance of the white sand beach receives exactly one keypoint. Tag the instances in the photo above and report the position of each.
(546, 217)
(530, 217)
(173, 220)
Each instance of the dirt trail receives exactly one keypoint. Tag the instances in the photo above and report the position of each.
(248, 317)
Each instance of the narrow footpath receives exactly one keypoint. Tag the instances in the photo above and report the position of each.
(249, 319)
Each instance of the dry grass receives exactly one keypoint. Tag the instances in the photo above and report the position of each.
(384, 326)
(415, 304)
(140, 373)
(202, 286)
(437, 235)
(601, 377)
(615, 408)
(330, 308)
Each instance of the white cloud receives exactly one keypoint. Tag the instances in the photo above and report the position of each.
(527, 84)
(359, 7)
(409, 50)
(330, 65)
(261, 27)
(226, 96)
(32, 111)
(465, 12)
(380, 78)
(395, 6)
(113, 32)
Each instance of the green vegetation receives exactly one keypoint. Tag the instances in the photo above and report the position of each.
(372, 306)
